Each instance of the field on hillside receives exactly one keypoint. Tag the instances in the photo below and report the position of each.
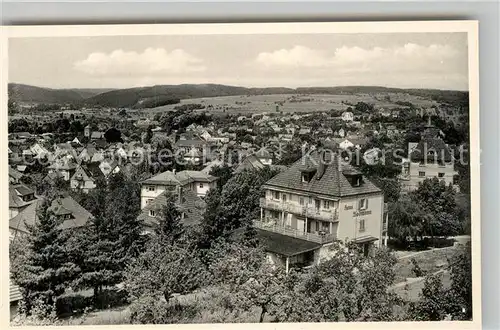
(289, 103)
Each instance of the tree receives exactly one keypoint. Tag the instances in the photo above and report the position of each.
(406, 220)
(164, 269)
(437, 302)
(247, 276)
(46, 270)
(113, 135)
(113, 237)
(439, 201)
(390, 187)
(149, 136)
(122, 210)
(223, 173)
(170, 228)
(214, 222)
(239, 201)
(346, 287)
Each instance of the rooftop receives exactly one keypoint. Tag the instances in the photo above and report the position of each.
(332, 178)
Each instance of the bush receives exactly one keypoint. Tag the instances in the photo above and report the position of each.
(40, 314)
(154, 310)
(416, 268)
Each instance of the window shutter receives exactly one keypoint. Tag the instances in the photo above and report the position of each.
(366, 203)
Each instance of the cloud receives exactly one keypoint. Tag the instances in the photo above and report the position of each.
(406, 58)
(152, 61)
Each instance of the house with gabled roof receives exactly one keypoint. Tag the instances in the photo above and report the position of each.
(429, 158)
(15, 176)
(65, 166)
(198, 182)
(188, 203)
(317, 201)
(264, 156)
(20, 197)
(70, 214)
(85, 180)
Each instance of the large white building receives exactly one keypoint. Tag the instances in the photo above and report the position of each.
(317, 201)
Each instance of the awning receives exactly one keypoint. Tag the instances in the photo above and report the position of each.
(365, 239)
(285, 245)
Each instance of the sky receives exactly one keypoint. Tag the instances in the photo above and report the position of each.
(404, 60)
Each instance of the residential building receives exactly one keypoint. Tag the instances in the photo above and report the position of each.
(198, 182)
(315, 202)
(251, 162)
(85, 179)
(15, 176)
(65, 166)
(347, 116)
(20, 197)
(188, 203)
(264, 156)
(431, 157)
(71, 215)
(109, 167)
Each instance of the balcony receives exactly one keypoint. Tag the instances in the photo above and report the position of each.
(308, 211)
(317, 238)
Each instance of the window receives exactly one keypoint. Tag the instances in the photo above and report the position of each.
(151, 188)
(361, 226)
(304, 178)
(284, 197)
(440, 175)
(421, 174)
(148, 201)
(276, 195)
(201, 185)
(363, 204)
(310, 200)
(152, 213)
(301, 200)
(325, 226)
(326, 204)
(317, 226)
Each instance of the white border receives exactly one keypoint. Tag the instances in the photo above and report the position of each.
(470, 27)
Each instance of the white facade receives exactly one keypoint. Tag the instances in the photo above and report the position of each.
(347, 116)
(413, 173)
(150, 191)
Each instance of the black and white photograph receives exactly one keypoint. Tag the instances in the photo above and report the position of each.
(242, 173)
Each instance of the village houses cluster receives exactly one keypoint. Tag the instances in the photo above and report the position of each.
(314, 200)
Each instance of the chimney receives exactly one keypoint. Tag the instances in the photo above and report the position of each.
(179, 195)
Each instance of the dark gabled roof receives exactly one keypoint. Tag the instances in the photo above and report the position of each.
(15, 193)
(250, 162)
(332, 183)
(94, 170)
(284, 245)
(60, 206)
(23, 190)
(15, 173)
(441, 150)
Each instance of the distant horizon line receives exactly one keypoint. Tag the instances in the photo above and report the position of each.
(239, 86)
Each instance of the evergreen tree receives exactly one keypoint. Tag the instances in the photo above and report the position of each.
(122, 210)
(169, 228)
(113, 237)
(47, 270)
